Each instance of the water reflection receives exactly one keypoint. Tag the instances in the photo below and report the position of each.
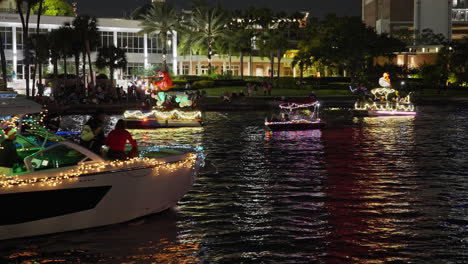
(152, 239)
(363, 190)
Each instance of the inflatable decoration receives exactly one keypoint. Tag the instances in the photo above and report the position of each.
(163, 82)
(385, 81)
(182, 99)
(160, 98)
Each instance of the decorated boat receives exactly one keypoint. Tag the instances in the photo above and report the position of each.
(384, 101)
(61, 186)
(172, 108)
(296, 116)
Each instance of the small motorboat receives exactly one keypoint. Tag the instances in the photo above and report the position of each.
(62, 186)
(296, 116)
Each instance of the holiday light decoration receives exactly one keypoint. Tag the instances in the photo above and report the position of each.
(291, 106)
(378, 92)
(174, 114)
(100, 167)
(293, 122)
(382, 105)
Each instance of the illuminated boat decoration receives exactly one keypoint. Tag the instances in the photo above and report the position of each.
(385, 101)
(296, 116)
(137, 119)
(63, 186)
(160, 118)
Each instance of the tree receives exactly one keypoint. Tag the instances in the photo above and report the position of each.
(346, 43)
(41, 56)
(161, 19)
(303, 60)
(4, 67)
(25, 27)
(86, 28)
(54, 40)
(54, 8)
(111, 57)
(208, 24)
(240, 35)
(456, 54)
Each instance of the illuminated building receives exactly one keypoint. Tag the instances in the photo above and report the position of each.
(142, 51)
(389, 16)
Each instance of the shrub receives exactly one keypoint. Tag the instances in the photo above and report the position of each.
(101, 76)
(179, 82)
(203, 84)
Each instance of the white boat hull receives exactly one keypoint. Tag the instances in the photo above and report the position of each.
(111, 197)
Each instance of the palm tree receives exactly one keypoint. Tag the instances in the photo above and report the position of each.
(268, 47)
(303, 60)
(41, 56)
(66, 34)
(161, 19)
(28, 4)
(241, 34)
(208, 24)
(86, 27)
(54, 48)
(4, 67)
(111, 57)
(186, 48)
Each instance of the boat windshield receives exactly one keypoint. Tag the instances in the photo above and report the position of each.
(32, 136)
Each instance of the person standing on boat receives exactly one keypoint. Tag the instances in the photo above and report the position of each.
(92, 136)
(9, 158)
(117, 139)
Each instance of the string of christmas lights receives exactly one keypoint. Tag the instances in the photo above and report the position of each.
(105, 166)
(174, 114)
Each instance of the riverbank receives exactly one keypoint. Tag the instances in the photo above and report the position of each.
(214, 103)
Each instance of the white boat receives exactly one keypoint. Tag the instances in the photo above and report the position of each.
(65, 187)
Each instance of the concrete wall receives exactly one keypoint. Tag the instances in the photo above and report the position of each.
(433, 14)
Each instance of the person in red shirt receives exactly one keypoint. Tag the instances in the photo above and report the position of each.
(117, 139)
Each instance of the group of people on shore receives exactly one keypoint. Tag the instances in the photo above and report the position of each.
(64, 95)
(93, 138)
(253, 88)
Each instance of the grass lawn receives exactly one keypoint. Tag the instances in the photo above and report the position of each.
(218, 91)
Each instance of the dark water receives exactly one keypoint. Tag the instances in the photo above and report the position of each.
(363, 190)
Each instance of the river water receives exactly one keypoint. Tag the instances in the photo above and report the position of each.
(363, 190)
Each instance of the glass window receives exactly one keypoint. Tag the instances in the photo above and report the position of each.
(130, 42)
(6, 34)
(185, 69)
(154, 45)
(19, 35)
(106, 39)
(235, 70)
(133, 69)
(57, 157)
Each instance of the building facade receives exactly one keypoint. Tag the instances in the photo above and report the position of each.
(142, 51)
(388, 16)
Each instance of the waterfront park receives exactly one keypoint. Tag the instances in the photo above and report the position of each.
(203, 133)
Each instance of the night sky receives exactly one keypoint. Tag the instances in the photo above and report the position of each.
(317, 8)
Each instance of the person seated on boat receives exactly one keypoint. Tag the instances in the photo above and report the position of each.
(92, 136)
(275, 118)
(117, 139)
(10, 161)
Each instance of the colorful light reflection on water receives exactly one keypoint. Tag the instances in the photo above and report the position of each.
(363, 190)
